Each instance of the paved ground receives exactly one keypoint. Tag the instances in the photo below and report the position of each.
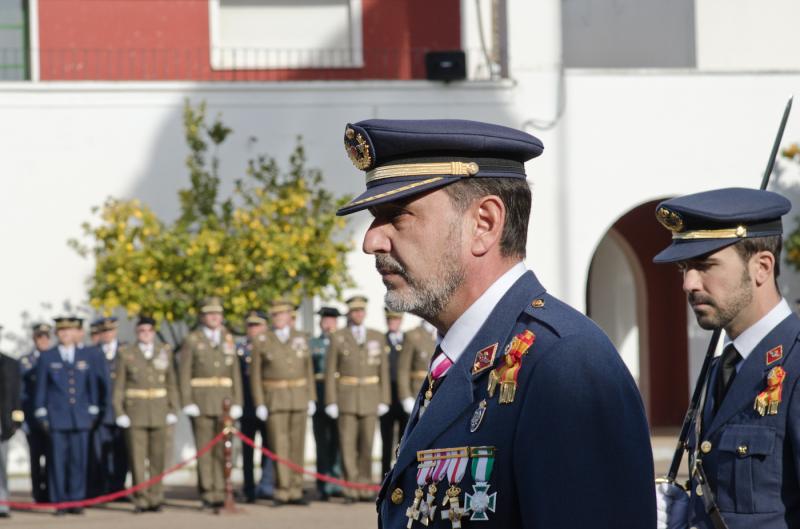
(182, 509)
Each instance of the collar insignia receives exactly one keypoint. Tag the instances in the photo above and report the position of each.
(484, 359)
(774, 354)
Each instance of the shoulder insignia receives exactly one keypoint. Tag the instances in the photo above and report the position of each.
(484, 359)
(774, 354)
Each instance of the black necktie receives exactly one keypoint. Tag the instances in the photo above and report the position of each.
(726, 374)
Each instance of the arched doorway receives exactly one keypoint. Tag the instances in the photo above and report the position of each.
(641, 307)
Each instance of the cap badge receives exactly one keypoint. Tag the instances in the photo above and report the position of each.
(358, 149)
(669, 219)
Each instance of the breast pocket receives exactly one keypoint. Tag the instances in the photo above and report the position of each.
(749, 477)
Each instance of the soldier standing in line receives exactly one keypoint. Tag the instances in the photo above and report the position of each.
(37, 437)
(209, 373)
(356, 390)
(249, 424)
(109, 466)
(418, 347)
(66, 404)
(11, 418)
(284, 396)
(396, 415)
(325, 435)
(145, 403)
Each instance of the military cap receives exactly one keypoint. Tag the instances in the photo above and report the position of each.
(41, 328)
(103, 324)
(402, 158)
(96, 327)
(146, 320)
(211, 304)
(356, 303)
(281, 305)
(331, 312)
(68, 322)
(256, 317)
(392, 313)
(702, 223)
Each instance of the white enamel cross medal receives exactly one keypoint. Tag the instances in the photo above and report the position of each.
(480, 502)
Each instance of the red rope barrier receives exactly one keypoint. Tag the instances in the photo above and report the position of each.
(120, 493)
(299, 469)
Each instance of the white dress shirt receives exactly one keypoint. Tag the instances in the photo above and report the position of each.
(359, 333)
(283, 334)
(750, 338)
(468, 324)
(213, 335)
(67, 353)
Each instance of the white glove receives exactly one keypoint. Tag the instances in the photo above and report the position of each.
(383, 409)
(262, 412)
(672, 507)
(171, 419)
(332, 411)
(408, 405)
(123, 421)
(236, 411)
(312, 408)
(191, 410)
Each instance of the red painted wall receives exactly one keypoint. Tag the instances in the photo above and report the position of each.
(666, 317)
(170, 40)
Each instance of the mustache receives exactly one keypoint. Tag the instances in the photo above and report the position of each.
(385, 264)
(696, 299)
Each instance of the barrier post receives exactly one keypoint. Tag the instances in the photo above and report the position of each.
(230, 502)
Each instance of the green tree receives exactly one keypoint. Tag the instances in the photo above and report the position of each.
(792, 242)
(276, 235)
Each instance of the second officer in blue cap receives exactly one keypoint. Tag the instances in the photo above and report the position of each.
(527, 416)
(744, 452)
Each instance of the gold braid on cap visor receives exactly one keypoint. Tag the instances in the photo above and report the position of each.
(423, 169)
(726, 233)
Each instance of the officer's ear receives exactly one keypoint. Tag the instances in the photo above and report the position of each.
(762, 267)
(489, 214)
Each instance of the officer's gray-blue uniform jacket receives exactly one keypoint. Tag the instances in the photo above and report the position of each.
(27, 370)
(572, 449)
(753, 461)
(66, 391)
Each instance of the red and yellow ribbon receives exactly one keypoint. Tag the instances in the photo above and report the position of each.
(506, 374)
(767, 401)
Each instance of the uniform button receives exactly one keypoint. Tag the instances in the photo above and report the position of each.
(72, 401)
(72, 381)
(742, 449)
(397, 496)
(537, 303)
(72, 391)
(705, 447)
(216, 364)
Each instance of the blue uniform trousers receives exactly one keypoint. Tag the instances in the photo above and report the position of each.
(67, 465)
(108, 467)
(37, 448)
(266, 485)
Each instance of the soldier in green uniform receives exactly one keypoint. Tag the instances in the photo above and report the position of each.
(145, 403)
(357, 391)
(325, 435)
(412, 365)
(282, 382)
(209, 373)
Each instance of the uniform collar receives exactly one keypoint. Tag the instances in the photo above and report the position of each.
(752, 336)
(467, 325)
(213, 335)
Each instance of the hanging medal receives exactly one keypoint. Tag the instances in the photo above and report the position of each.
(480, 502)
(415, 512)
(767, 401)
(456, 469)
(506, 374)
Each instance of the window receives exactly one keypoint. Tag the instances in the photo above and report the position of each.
(285, 34)
(14, 64)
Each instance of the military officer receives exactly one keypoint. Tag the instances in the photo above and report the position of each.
(36, 436)
(249, 424)
(209, 372)
(11, 418)
(145, 403)
(356, 391)
(326, 437)
(418, 346)
(284, 396)
(745, 450)
(396, 415)
(109, 466)
(66, 403)
(528, 417)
